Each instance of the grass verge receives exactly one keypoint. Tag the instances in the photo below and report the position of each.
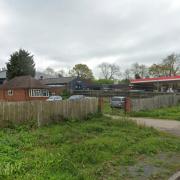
(162, 113)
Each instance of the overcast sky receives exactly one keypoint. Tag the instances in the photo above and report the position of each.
(61, 33)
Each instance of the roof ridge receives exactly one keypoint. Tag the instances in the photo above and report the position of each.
(23, 82)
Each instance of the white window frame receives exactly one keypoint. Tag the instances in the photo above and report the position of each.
(10, 92)
(38, 93)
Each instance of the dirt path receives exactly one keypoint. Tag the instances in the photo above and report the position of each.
(170, 126)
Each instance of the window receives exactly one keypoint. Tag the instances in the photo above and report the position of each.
(38, 93)
(10, 92)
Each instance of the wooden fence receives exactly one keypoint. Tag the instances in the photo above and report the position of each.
(43, 112)
(110, 93)
(154, 102)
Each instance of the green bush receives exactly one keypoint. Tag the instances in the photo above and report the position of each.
(65, 94)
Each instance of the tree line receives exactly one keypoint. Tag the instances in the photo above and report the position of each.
(169, 66)
(21, 63)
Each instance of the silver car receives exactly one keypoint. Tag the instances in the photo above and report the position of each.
(77, 97)
(54, 98)
(117, 102)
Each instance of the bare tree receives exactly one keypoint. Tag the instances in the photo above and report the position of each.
(50, 71)
(172, 64)
(135, 68)
(127, 74)
(143, 70)
(139, 70)
(109, 71)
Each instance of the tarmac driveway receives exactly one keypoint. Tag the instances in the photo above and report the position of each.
(170, 126)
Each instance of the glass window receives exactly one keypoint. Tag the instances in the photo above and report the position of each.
(38, 93)
(10, 92)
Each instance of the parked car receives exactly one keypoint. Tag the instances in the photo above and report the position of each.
(87, 97)
(54, 98)
(117, 102)
(76, 97)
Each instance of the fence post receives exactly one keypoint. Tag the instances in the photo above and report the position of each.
(39, 113)
(100, 104)
(127, 105)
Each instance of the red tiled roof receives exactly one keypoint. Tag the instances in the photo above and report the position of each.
(23, 82)
(158, 79)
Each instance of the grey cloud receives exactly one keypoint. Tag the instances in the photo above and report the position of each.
(65, 32)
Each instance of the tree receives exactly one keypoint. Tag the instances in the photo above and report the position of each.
(137, 76)
(143, 71)
(61, 73)
(109, 71)
(156, 70)
(82, 71)
(172, 64)
(127, 74)
(135, 69)
(20, 63)
(139, 70)
(49, 71)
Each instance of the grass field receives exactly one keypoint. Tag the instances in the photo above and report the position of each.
(162, 113)
(98, 148)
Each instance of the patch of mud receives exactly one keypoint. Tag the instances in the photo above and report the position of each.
(160, 166)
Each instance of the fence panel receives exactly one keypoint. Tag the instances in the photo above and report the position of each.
(44, 112)
(154, 102)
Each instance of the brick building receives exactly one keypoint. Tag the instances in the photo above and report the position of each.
(23, 88)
